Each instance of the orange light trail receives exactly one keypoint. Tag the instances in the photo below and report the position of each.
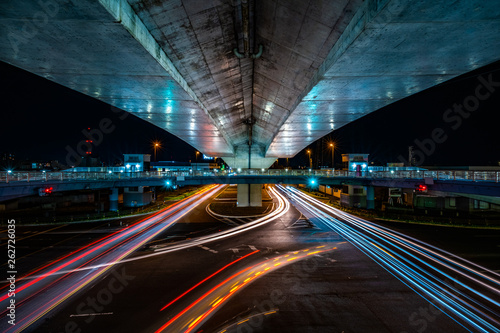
(207, 278)
(219, 302)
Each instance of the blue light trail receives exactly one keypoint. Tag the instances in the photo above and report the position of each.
(466, 292)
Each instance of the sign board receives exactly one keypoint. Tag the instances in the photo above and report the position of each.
(395, 192)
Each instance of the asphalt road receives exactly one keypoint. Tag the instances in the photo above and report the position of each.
(283, 276)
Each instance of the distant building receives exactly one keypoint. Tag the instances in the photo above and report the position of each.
(142, 162)
(355, 162)
(166, 166)
(7, 157)
(174, 166)
(132, 163)
(90, 160)
(137, 162)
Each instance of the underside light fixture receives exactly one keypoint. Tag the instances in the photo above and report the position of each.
(128, 166)
(46, 191)
(263, 170)
(109, 171)
(121, 171)
(137, 166)
(239, 170)
(421, 188)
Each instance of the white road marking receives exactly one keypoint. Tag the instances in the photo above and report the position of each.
(207, 249)
(91, 314)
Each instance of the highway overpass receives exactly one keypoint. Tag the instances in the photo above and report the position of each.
(248, 80)
(479, 183)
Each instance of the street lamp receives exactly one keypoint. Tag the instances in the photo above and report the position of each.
(156, 145)
(333, 148)
(310, 159)
(197, 153)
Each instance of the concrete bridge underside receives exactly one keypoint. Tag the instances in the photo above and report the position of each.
(247, 78)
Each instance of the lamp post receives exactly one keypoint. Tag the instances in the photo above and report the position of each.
(310, 160)
(333, 148)
(197, 153)
(156, 145)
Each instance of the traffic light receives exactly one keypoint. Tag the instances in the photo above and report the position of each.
(421, 188)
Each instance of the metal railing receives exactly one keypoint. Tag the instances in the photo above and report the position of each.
(10, 177)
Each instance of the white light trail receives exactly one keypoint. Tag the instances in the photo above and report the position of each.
(421, 266)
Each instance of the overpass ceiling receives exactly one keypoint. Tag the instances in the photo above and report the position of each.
(323, 65)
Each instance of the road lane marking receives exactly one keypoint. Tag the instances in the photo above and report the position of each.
(92, 314)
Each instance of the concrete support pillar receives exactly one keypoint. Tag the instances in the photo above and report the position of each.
(370, 197)
(113, 200)
(249, 195)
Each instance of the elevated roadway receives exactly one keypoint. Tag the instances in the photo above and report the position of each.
(479, 183)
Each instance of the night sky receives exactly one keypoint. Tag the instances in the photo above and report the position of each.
(40, 118)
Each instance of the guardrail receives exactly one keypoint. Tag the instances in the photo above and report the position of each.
(476, 176)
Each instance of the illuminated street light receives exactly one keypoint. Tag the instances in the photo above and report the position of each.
(197, 153)
(310, 159)
(156, 145)
(332, 145)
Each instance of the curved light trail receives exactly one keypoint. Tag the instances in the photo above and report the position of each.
(466, 292)
(281, 209)
(198, 312)
(38, 295)
(59, 280)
